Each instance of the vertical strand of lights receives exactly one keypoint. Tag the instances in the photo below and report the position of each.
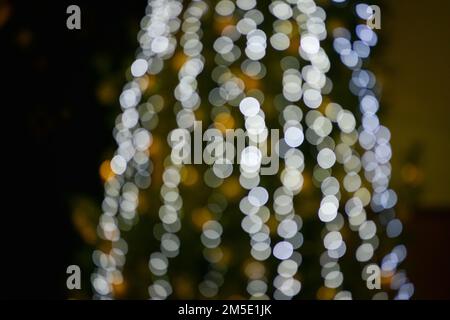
(346, 155)
(311, 23)
(131, 164)
(235, 91)
(219, 168)
(186, 93)
(253, 156)
(212, 229)
(218, 150)
(358, 197)
(290, 223)
(211, 239)
(374, 139)
(230, 90)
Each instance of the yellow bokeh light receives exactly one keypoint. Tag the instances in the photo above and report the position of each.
(231, 188)
(178, 60)
(200, 216)
(325, 293)
(224, 121)
(105, 171)
(189, 176)
(119, 289)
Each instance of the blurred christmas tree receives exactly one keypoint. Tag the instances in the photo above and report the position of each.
(170, 229)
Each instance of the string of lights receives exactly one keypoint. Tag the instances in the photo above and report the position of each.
(307, 117)
(374, 139)
(289, 223)
(186, 94)
(131, 164)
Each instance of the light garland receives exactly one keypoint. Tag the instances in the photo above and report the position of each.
(256, 214)
(290, 223)
(374, 139)
(253, 205)
(132, 166)
(187, 95)
(312, 22)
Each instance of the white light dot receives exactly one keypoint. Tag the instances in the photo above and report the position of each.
(128, 98)
(249, 107)
(326, 158)
(332, 240)
(223, 45)
(160, 44)
(139, 67)
(327, 212)
(312, 98)
(118, 164)
(130, 118)
(287, 228)
(294, 137)
(246, 4)
(281, 10)
(283, 250)
(258, 196)
(364, 252)
(101, 286)
(279, 41)
(346, 121)
(310, 44)
(225, 7)
(251, 156)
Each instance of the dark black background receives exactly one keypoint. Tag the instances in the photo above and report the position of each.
(53, 133)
